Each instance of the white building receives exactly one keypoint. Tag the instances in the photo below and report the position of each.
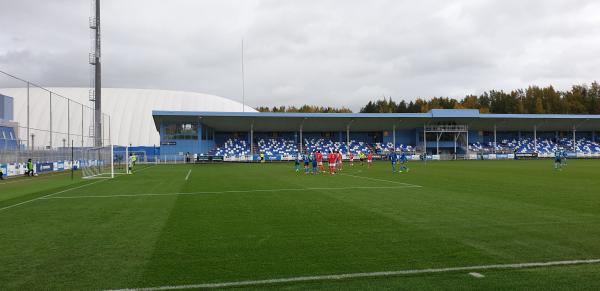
(130, 112)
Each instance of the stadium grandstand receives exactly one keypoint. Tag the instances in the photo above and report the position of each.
(441, 134)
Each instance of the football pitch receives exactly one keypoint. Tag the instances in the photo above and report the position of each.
(444, 225)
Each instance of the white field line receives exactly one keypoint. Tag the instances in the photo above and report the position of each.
(476, 275)
(231, 191)
(50, 195)
(364, 275)
(382, 180)
(145, 168)
(188, 174)
(59, 192)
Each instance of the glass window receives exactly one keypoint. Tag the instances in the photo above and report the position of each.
(181, 130)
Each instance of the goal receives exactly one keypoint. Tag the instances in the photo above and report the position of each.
(97, 162)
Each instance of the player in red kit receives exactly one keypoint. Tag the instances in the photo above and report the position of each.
(351, 159)
(332, 159)
(319, 157)
(370, 159)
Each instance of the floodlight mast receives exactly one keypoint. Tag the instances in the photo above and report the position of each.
(95, 95)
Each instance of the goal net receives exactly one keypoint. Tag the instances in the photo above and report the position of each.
(97, 162)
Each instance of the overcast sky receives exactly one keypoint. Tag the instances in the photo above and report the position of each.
(338, 53)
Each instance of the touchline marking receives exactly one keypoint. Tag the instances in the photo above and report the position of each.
(188, 174)
(363, 275)
(59, 192)
(380, 180)
(49, 195)
(230, 191)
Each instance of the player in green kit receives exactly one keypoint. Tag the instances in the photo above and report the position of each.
(132, 161)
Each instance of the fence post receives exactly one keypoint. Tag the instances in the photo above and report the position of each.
(28, 144)
(68, 120)
(82, 126)
(50, 119)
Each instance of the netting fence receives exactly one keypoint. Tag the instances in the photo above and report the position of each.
(46, 126)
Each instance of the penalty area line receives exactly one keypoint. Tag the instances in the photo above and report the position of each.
(233, 191)
(364, 275)
(50, 195)
(381, 180)
(188, 174)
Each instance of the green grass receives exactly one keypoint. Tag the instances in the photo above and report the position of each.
(465, 213)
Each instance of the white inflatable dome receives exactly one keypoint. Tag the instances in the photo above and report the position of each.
(130, 111)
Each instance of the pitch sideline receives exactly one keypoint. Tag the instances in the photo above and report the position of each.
(363, 275)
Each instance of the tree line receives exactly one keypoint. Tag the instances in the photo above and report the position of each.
(579, 99)
(304, 109)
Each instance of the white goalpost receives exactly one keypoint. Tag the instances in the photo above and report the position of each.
(104, 162)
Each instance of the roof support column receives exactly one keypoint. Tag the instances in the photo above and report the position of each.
(574, 141)
(200, 131)
(437, 144)
(455, 139)
(535, 150)
(252, 141)
(348, 139)
(495, 141)
(467, 147)
(425, 140)
(394, 136)
(301, 140)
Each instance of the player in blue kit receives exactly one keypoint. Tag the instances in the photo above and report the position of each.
(297, 163)
(563, 158)
(558, 160)
(306, 163)
(314, 165)
(393, 157)
(403, 163)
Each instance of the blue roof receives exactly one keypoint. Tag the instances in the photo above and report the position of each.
(289, 115)
(454, 113)
(434, 113)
